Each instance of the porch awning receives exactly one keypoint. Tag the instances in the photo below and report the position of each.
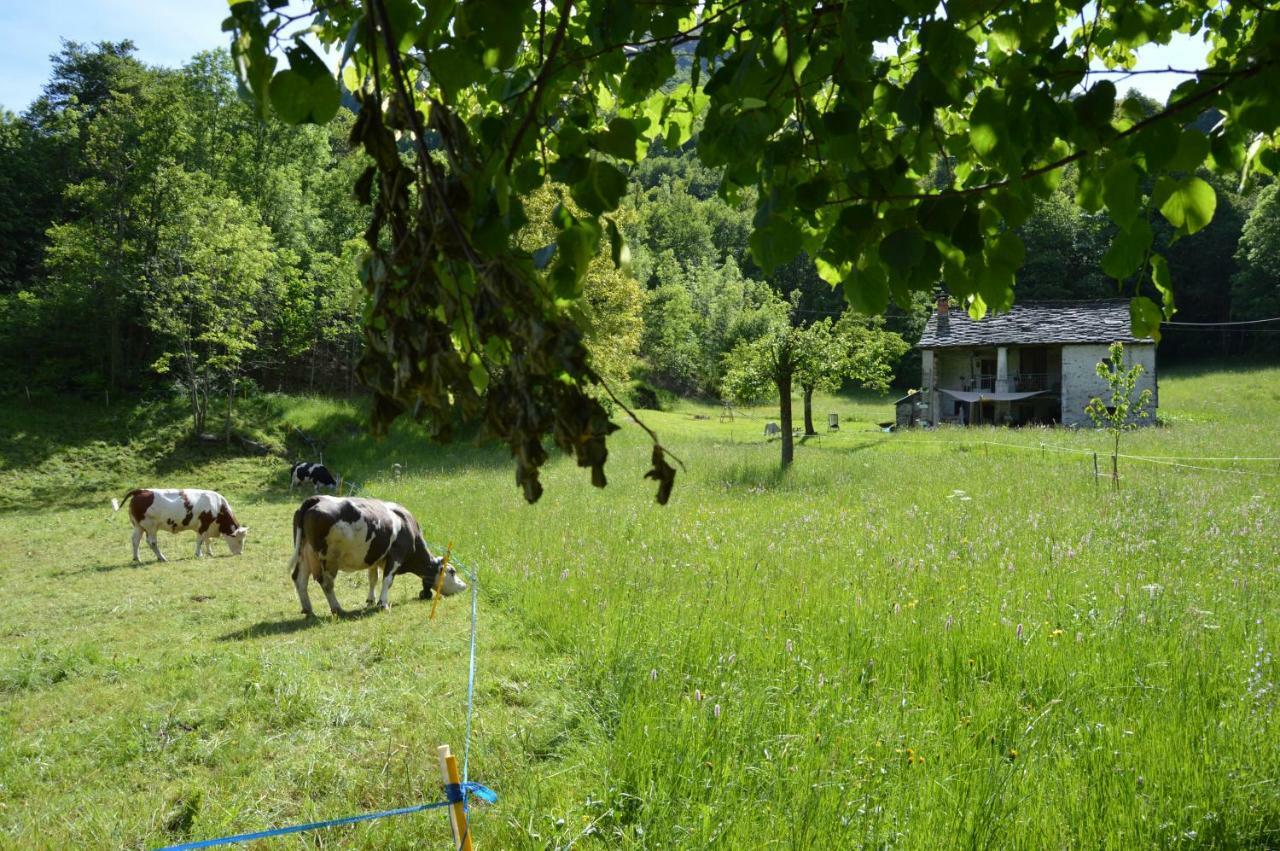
(989, 396)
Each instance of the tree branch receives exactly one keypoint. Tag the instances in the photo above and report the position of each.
(1181, 106)
(539, 82)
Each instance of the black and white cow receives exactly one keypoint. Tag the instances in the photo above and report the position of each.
(207, 513)
(332, 534)
(317, 474)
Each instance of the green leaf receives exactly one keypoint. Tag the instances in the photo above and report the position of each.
(298, 99)
(618, 247)
(576, 245)
(1145, 318)
(477, 373)
(646, 72)
(1007, 252)
(1192, 148)
(986, 124)
(1128, 250)
(867, 290)
(901, 249)
(601, 189)
(1089, 191)
(1094, 108)
(833, 273)
(1188, 204)
(499, 25)
(1163, 282)
(1157, 144)
(1120, 192)
(775, 243)
(454, 68)
(402, 17)
(619, 140)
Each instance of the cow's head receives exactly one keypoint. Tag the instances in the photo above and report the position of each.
(453, 583)
(235, 541)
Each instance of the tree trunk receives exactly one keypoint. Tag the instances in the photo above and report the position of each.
(784, 414)
(231, 397)
(115, 363)
(197, 408)
(809, 430)
(1115, 463)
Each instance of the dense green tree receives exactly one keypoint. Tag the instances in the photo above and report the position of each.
(208, 287)
(1256, 287)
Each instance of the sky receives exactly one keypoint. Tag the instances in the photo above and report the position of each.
(170, 32)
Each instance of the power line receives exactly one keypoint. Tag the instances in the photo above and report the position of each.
(1223, 324)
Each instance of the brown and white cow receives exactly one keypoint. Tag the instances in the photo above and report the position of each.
(207, 513)
(332, 534)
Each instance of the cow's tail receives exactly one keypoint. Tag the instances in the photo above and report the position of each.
(295, 561)
(296, 558)
(117, 503)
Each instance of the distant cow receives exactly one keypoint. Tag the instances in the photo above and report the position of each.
(317, 474)
(332, 534)
(206, 513)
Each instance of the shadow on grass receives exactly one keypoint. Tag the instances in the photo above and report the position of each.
(147, 563)
(105, 567)
(298, 624)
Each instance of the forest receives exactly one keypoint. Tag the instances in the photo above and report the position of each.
(157, 235)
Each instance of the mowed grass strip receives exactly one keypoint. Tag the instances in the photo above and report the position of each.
(919, 640)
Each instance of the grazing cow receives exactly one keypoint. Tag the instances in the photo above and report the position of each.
(333, 533)
(207, 513)
(317, 474)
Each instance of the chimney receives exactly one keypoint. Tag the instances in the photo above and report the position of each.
(943, 305)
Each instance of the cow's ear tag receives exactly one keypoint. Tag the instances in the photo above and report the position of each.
(440, 574)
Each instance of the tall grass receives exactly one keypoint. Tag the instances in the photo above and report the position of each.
(913, 640)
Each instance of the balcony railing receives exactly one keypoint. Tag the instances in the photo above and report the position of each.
(1022, 382)
(1027, 382)
(978, 382)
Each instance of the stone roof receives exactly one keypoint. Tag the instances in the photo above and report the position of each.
(1034, 323)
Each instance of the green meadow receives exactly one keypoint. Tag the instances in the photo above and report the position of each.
(946, 639)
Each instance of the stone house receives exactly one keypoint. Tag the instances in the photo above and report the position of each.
(1033, 365)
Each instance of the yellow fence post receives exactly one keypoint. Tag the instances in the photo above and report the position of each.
(457, 812)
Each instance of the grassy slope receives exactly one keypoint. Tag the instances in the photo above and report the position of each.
(855, 622)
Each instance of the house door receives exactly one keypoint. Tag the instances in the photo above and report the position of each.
(987, 374)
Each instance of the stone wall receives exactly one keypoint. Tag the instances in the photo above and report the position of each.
(1080, 381)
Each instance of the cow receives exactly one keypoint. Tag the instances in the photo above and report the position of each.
(332, 534)
(207, 513)
(317, 474)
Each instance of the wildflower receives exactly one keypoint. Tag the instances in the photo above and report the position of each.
(564, 574)
(653, 675)
(1019, 631)
(1013, 754)
(1055, 633)
(790, 647)
(715, 710)
(698, 695)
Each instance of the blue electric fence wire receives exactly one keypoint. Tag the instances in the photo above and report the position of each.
(471, 677)
(454, 794)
